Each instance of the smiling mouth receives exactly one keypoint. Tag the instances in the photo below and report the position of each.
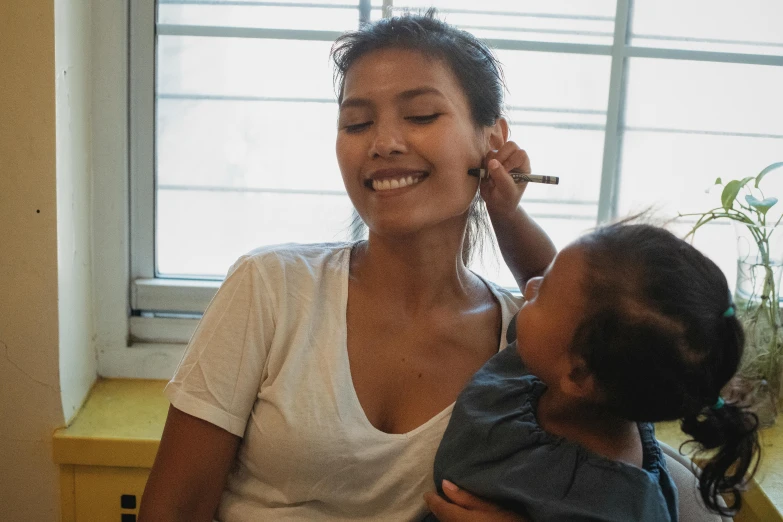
(381, 185)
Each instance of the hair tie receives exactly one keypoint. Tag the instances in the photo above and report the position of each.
(729, 311)
(718, 404)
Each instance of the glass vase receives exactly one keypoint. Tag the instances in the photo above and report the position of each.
(757, 305)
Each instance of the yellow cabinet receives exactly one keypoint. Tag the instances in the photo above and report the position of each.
(106, 454)
(102, 493)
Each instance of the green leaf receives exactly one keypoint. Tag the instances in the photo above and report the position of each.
(731, 190)
(767, 169)
(761, 206)
(718, 182)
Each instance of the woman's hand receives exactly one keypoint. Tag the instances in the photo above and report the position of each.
(499, 191)
(466, 507)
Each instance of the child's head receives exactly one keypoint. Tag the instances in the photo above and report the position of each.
(656, 331)
(659, 334)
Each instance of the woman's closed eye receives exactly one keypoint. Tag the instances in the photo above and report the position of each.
(357, 127)
(360, 126)
(426, 118)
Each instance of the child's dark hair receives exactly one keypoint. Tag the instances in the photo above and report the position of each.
(662, 340)
(473, 64)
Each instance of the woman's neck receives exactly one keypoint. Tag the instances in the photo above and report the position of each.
(423, 271)
(590, 426)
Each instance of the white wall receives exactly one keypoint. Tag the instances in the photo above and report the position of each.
(73, 76)
(110, 180)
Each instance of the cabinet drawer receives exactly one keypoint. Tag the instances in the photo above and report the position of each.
(102, 493)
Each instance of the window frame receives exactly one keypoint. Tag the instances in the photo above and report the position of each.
(152, 301)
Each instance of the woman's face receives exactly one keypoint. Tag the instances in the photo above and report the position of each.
(405, 142)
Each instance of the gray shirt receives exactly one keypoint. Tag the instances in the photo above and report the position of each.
(495, 448)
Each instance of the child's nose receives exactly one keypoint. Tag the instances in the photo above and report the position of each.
(531, 287)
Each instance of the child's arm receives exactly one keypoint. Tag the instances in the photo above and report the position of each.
(526, 248)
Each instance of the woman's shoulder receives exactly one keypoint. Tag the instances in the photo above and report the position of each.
(290, 255)
(508, 295)
(510, 302)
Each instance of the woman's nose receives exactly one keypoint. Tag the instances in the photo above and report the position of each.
(387, 141)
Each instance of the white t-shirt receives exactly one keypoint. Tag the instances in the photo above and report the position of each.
(268, 362)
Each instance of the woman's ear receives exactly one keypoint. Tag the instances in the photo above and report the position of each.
(497, 135)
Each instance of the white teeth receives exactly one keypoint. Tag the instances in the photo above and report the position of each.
(386, 184)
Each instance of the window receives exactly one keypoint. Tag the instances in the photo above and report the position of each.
(633, 103)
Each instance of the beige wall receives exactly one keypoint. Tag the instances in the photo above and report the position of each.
(35, 384)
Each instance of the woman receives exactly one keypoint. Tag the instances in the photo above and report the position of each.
(321, 378)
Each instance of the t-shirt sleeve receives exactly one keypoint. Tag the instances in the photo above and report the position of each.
(219, 376)
(509, 304)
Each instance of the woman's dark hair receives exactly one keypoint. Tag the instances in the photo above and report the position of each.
(475, 67)
(661, 341)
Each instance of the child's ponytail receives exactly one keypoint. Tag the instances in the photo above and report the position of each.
(732, 433)
(663, 340)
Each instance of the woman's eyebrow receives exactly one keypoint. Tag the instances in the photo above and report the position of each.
(421, 91)
(403, 96)
(355, 102)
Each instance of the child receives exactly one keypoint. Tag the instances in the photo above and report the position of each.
(629, 326)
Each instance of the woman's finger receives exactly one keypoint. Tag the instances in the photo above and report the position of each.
(441, 508)
(483, 511)
(466, 500)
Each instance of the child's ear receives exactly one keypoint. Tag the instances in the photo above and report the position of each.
(497, 135)
(579, 382)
